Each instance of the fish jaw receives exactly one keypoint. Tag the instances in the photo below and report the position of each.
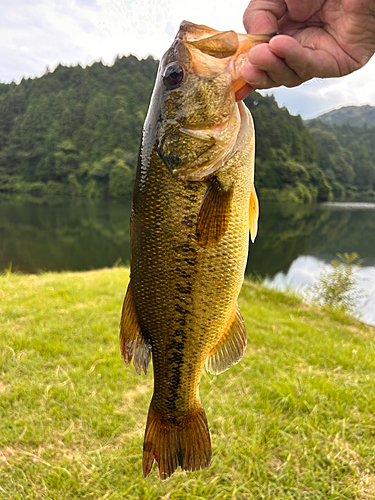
(229, 47)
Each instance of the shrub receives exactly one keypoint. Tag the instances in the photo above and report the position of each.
(337, 287)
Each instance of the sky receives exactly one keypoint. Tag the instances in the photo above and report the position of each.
(40, 34)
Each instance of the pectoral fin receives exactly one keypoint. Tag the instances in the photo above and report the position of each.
(132, 341)
(253, 214)
(230, 348)
(214, 214)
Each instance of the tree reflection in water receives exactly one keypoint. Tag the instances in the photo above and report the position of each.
(65, 234)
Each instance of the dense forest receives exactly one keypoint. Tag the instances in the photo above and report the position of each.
(346, 156)
(77, 131)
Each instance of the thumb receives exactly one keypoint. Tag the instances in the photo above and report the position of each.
(261, 16)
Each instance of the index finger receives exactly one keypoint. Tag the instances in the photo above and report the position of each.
(261, 16)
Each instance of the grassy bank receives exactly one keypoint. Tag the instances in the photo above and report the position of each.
(294, 420)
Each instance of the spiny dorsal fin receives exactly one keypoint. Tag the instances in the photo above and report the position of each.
(253, 214)
(132, 342)
(230, 348)
(214, 214)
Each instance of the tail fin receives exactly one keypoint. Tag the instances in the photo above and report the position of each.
(183, 441)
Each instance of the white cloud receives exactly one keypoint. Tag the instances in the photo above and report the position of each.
(35, 33)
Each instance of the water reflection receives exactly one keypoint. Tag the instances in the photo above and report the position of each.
(305, 271)
(301, 242)
(293, 242)
(60, 234)
(288, 231)
(284, 233)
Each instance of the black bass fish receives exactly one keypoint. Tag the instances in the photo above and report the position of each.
(193, 206)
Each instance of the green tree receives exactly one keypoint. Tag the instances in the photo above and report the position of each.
(121, 180)
(66, 161)
(346, 155)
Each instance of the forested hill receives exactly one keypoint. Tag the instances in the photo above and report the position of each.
(356, 116)
(77, 131)
(346, 154)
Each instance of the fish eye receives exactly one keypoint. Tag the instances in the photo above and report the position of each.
(173, 76)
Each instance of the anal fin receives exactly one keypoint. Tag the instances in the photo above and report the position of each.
(253, 214)
(214, 214)
(132, 342)
(230, 348)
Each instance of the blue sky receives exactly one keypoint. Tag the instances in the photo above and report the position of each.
(36, 34)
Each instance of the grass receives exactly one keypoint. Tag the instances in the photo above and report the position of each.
(295, 419)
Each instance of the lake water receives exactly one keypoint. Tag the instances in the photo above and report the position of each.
(294, 242)
(342, 227)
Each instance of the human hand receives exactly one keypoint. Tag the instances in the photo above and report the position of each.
(315, 38)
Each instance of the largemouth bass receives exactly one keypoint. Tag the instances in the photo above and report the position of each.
(193, 205)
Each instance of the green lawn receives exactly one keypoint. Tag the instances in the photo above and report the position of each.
(295, 419)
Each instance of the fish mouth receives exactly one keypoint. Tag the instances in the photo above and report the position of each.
(193, 153)
(228, 48)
